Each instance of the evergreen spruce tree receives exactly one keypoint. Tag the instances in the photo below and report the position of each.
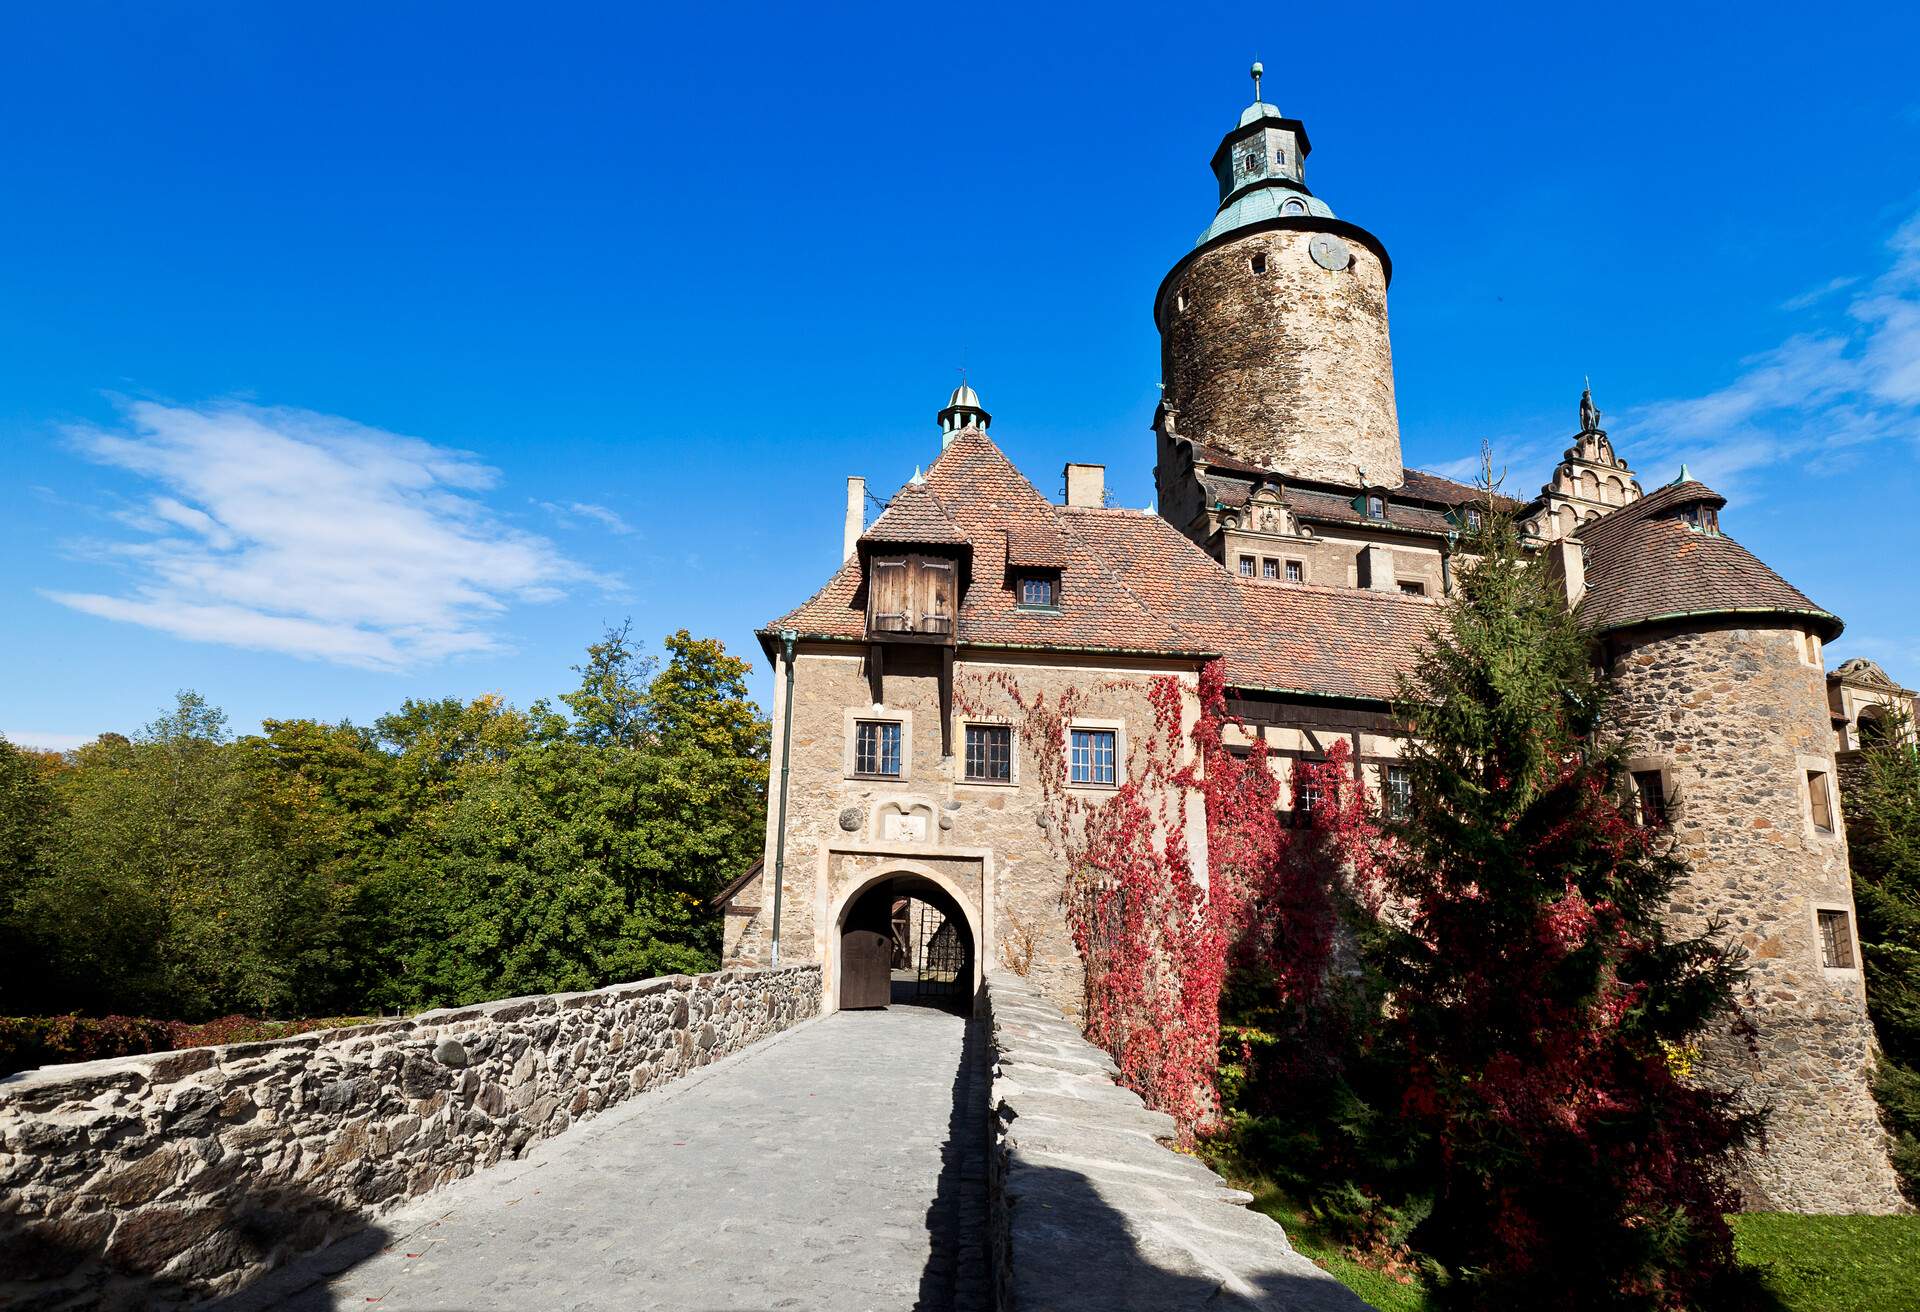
(1883, 835)
(1547, 1017)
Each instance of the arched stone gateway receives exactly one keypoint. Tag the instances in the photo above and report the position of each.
(903, 936)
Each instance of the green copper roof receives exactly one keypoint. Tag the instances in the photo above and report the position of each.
(1258, 110)
(1261, 204)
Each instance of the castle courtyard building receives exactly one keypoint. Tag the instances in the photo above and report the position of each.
(915, 841)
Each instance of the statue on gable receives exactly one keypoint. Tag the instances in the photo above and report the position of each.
(1589, 413)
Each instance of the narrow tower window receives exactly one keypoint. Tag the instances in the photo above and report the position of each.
(1821, 799)
(1650, 791)
(1836, 941)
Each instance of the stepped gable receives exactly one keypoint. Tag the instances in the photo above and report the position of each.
(1275, 636)
(987, 502)
(1647, 562)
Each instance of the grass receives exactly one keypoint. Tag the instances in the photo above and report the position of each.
(1808, 1263)
(1834, 1263)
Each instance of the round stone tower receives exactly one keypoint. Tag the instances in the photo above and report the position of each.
(1718, 689)
(1273, 329)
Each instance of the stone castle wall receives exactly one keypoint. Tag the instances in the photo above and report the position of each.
(993, 845)
(1736, 717)
(159, 1180)
(1289, 367)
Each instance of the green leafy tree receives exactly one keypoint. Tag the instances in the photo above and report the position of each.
(610, 705)
(1883, 836)
(30, 824)
(1538, 998)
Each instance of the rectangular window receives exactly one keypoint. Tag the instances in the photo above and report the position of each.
(1836, 941)
(1414, 589)
(1036, 592)
(876, 748)
(1306, 794)
(990, 753)
(1399, 792)
(1822, 800)
(1246, 566)
(1296, 571)
(1091, 757)
(1650, 796)
(1269, 569)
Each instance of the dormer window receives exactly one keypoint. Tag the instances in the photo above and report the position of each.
(1473, 517)
(1038, 592)
(912, 594)
(1376, 507)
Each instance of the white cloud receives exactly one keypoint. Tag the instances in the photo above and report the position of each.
(289, 531)
(47, 742)
(1814, 295)
(1812, 398)
(572, 511)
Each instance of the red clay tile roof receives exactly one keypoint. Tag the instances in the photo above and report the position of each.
(985, 498)
(914, 515)
(1415, 484)
(1644, 563)
(1276, 636)
(1131, 582)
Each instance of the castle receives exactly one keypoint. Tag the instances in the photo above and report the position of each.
(908, 841)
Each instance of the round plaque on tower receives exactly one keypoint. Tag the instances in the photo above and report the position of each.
(1329, 252)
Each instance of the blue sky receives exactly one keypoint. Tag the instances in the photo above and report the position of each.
(381, 351)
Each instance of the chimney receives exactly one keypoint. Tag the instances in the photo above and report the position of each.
(856, 516)
(1087, 486)
(1567, 566)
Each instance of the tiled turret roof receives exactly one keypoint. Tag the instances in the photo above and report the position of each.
(1646, 562)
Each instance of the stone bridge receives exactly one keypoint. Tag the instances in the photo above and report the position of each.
(684, 1143)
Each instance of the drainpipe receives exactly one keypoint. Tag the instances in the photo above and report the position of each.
(786, 756)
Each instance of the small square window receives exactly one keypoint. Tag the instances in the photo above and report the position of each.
(1650, 797)
(1036, 592)
(876, 748)
(1296, 571)
(1091, 756)
(1246, 566)
(1306, 794)
(1269, 569)
(1822, 800)
(1399, 792)
(1413, 589)
(990, 753)
(1836, 940)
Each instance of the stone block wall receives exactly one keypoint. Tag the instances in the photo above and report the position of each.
(1086, 1206)
(1281, 362)
(1735, 715)
(159, 1180)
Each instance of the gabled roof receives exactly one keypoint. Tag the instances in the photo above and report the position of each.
(1416, 485)
(1645, 564)
(914, 516)
(986, 499)
(1131, 582)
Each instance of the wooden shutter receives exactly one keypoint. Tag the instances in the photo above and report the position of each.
(889, 605)
(935, 595)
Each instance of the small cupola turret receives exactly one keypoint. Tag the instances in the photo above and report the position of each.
(963, 410)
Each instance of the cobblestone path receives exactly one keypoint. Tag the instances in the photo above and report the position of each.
(839, 1166)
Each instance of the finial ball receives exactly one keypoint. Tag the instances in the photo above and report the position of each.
(1258, 68)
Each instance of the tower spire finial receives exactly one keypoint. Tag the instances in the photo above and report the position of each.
(1257, 70)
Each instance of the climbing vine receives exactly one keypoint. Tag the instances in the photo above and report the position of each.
(1157, 925)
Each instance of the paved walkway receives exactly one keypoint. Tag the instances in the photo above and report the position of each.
(812, 1171)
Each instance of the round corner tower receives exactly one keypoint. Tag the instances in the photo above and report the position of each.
(1717, 688)
(1273, 329)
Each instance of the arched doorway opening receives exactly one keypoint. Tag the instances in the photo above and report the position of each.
(905, 941)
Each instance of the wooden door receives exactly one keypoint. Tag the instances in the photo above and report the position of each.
(866, 969)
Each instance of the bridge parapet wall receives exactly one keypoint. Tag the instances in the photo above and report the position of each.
(162, 1179)
(1089, 1209)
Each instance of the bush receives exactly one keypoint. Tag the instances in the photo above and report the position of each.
(30, 1041)
(250, 1029)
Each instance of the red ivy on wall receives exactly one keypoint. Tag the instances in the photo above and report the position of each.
(1155, 929)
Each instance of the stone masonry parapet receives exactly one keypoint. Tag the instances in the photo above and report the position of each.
(166, 1178)
(1087, 1206)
